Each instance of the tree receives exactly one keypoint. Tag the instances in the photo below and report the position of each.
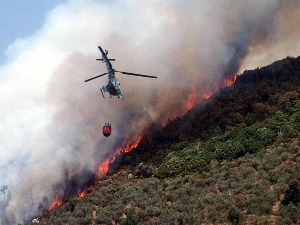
(261, 110)
(130, 219)
(292, 194)
(234, 216)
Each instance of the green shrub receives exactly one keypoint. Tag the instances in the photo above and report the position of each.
(234, 216)
(289, 214)
(171, 167)
(292, 194)
(144, 170)
(130, 219)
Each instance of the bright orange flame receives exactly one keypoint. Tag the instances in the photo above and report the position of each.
(191, 101)
(103, 168)
(230, 81)
(207, 95)
(194, 98)
(126, 148)
(57, 202)
(132, 145)
(83, 193)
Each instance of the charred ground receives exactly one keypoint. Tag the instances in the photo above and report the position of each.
(234, 159)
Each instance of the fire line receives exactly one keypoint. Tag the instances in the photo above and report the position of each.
(128, 146)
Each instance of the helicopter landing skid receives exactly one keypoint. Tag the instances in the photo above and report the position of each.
(102, 92)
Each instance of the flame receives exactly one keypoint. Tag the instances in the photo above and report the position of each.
(230, 81)
(57, 202)
(195, 98)
(127, 147)
(207, 95)
(132, 145)
(192, 100)
(103, 168)
(83, 193)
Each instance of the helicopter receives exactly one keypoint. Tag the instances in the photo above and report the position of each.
(112, 86)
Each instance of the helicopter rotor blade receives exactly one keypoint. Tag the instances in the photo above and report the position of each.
(136, 74)
(95, 77)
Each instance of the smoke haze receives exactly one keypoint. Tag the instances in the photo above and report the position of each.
(51, 119)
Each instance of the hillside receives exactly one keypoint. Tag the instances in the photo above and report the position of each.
(234, 160)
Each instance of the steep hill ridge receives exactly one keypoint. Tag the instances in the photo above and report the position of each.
(229, 161)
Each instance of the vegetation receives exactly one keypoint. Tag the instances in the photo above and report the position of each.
(234, 160)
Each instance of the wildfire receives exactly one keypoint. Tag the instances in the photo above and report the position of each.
(131, 145)
(192, 100)
(57, 202)
(207, 95)
(103, 168)
(83, 193)
(230, 81)
(126, 148)
(195, 98)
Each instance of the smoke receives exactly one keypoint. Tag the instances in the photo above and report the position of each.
(282, 42)
(51, 120)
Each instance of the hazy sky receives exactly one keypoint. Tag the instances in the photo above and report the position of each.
(20, 18)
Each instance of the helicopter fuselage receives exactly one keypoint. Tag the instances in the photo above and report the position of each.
(113, 87)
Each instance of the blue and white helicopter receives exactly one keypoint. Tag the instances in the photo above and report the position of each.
(112, 86)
